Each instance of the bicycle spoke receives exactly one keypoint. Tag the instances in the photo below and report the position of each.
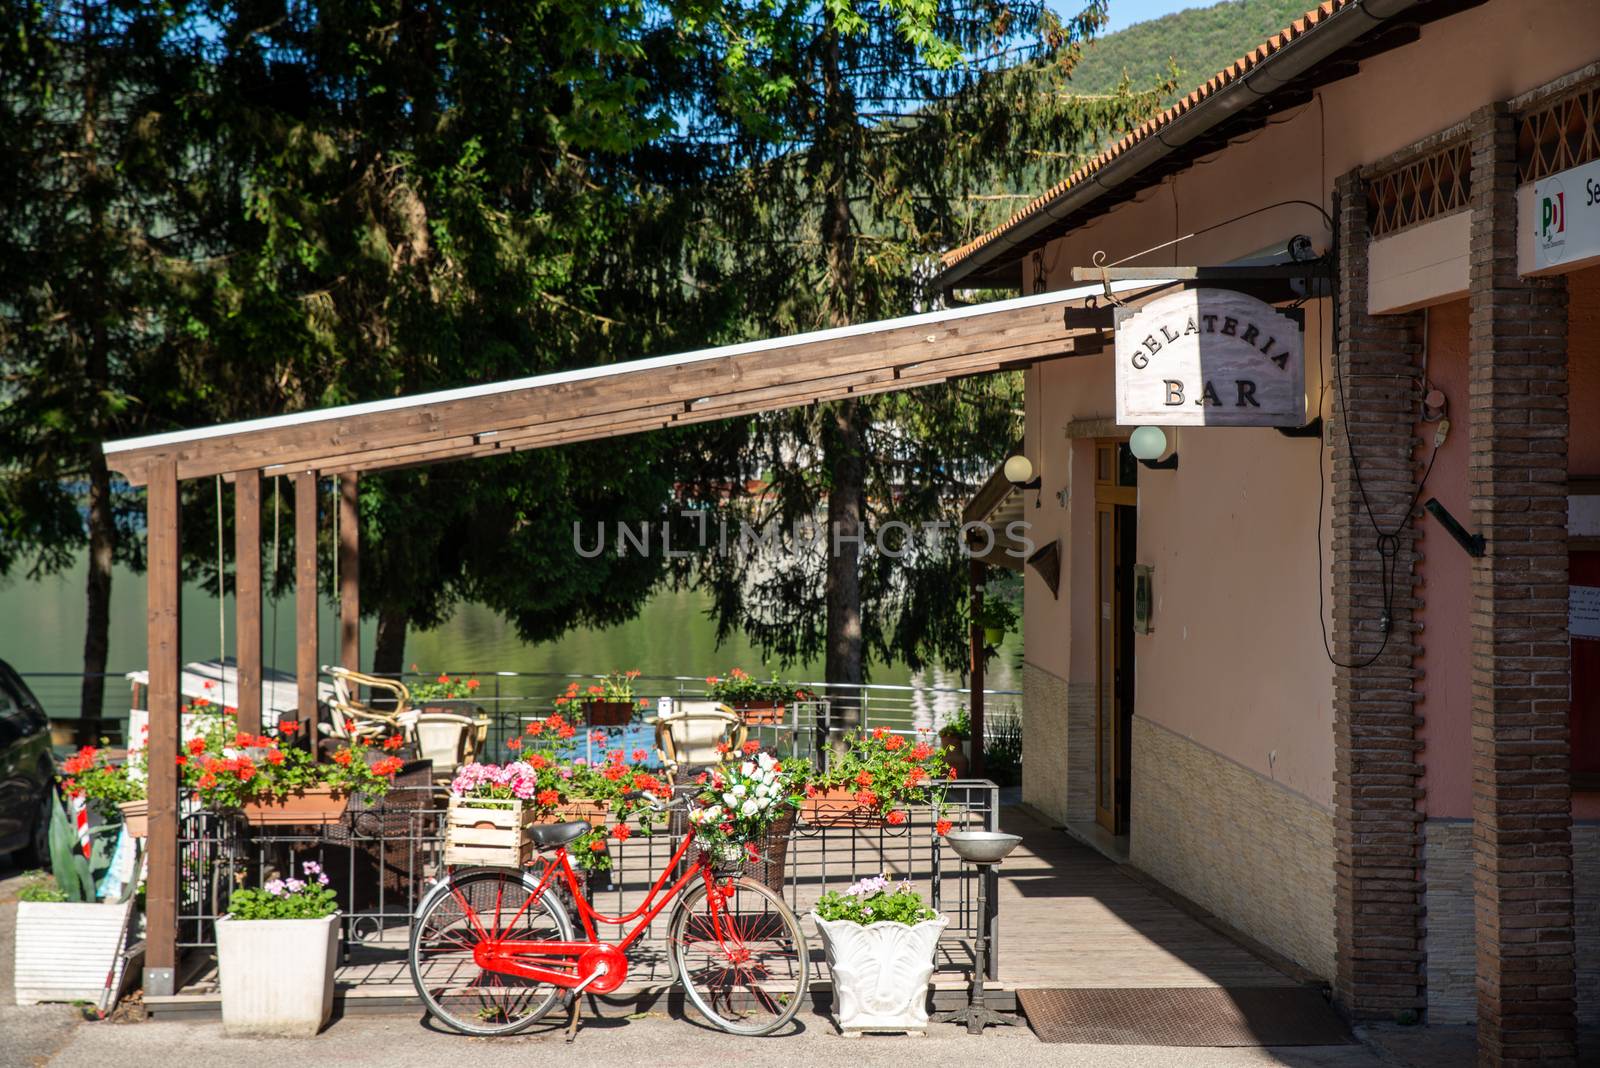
(743, 967)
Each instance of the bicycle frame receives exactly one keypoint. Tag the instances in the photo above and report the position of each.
(589, 963)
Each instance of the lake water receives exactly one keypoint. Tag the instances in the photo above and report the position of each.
(42, 631)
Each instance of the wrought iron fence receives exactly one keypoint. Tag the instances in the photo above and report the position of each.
(383, 855)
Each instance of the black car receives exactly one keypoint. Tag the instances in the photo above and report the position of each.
(27, 772)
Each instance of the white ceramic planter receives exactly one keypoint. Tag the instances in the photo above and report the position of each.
(880, 972)
(70, 951)
(276, 975)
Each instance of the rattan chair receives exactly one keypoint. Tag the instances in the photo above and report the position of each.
(688, 733)
(351, 718)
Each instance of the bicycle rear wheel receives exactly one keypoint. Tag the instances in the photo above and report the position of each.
(457, 992)
(746, 967)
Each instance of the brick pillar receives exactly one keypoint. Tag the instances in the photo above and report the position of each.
(1377, 838)
(1521, 663)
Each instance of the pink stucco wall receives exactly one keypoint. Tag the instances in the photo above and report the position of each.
(1236, 661)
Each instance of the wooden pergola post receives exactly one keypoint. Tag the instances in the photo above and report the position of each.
(349, 573)
(305, 602)
(247, 595)
(165, 697)
(976, 581)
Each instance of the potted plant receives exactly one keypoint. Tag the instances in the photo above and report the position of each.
(756, 702)
(116, 790)
(743, 810)
(231, 769)
(879, 940)
(71, 931)
(955, 740)
(276, 948)
(996, 617)
(445, 693)
(877, 778)
(607, 703)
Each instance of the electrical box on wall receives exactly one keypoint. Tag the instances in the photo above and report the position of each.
(1144, 580)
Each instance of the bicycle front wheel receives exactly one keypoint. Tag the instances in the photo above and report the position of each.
(476, 906)
(745, 966)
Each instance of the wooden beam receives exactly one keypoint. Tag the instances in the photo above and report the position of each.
(792, 371)
(305, 602)
(163, 634)
(349, 573)
(247, 595)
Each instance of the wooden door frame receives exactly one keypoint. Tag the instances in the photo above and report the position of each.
(1109, 496)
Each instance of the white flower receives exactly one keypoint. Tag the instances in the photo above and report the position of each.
(740, 790)
(766, 761)
(750, 807)
(730, 800)
(747, 769)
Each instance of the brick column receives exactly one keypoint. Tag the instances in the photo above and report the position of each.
(1377, 839)
(1521, 663)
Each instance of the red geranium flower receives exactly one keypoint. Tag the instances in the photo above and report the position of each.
(942, 827)
(197, 746)
(290, 727)
(342, 757)
(893, 742)
(640, 756)
(207, 781)
(182, 760)
(549, 797)
(922, 751)
(513, 743)
(620, 832)
(536, 727)
(896, 817)
(597, 846)
(393, 742)
(864, 779)
(275, 757)
(566, 731)
(751, 746)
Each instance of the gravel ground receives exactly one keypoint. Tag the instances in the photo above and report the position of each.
(28, 1035)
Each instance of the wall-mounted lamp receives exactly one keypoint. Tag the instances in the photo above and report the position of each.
(1019, 472)
(1473, 543)
(1147, 443)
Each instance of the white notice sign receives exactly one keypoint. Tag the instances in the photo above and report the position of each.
(1209, 357)
(1583, 615)
(1566, 217)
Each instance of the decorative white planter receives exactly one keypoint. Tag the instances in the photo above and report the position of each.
(277, 975)
(70, 951)
(880, 972)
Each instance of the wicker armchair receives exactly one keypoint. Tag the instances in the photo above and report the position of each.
(688, 733)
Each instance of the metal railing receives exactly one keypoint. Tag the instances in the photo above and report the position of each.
(382, 856)
(510, 698)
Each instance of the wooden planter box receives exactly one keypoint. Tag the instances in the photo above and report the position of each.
(608, 713)
(760, 713)
(319, 804)
(136, 817)
(837, 807)
(493, 834)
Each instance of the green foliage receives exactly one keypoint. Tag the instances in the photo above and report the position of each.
(1198, 42)
(307, 898)
(1002, 750)
(875, 900)
(67, 862)
(40, 887)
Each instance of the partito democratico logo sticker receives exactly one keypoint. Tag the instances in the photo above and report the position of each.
(1552, 220)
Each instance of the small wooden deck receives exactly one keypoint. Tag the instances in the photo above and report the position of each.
(1069, 917)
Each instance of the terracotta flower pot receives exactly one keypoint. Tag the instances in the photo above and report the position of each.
(837, 806)
(760, 712)
(318, 804)
(568, 811)
(136, 817)
(955, 752)
(608, 713)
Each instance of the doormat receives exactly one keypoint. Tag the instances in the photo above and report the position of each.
(1185, 1016)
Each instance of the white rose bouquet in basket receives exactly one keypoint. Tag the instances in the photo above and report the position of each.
(738, 802)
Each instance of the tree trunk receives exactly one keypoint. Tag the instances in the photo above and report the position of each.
(846, 495)
(389, 649)
(97, 628)
(843, 437)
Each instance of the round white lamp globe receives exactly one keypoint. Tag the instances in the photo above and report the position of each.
(1148, 443)
(1019, 469)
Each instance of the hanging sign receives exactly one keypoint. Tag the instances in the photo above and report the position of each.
(1566, 217)
(1209, 357)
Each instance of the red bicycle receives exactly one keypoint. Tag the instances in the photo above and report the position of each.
(492, 949)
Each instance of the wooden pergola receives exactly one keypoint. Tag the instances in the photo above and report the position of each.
(490, 420)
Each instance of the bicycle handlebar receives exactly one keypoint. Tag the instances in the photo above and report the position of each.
(655, 802)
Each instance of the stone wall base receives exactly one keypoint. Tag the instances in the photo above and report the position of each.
(1058, 757)
(1452, 954)
(1240, 845)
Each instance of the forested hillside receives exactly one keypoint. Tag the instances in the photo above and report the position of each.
(1200, 40)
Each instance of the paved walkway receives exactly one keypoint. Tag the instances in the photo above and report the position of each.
(1070, 918)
